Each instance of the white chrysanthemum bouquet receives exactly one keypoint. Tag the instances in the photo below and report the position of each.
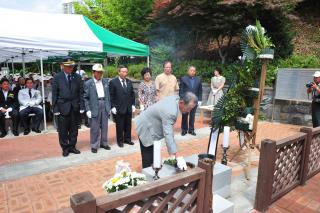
(123, 179)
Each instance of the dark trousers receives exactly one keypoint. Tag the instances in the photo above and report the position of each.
(14, 114)
(68, 129)
(146, 155)
(184, 121)
(315, 111)
(123, 127)
(24, 115)
(49, 114)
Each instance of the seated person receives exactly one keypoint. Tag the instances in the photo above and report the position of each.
(30, 100)
(8, 107)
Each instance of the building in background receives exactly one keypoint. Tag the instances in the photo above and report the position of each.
(67, 6)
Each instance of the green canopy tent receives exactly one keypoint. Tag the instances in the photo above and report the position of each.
(30, 36)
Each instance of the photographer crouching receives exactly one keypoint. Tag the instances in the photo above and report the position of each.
(314, 89)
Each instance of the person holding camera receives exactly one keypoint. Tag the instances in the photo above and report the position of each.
(314, 89)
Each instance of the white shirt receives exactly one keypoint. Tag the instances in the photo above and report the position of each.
(99, 87)
(125, 82)
(5, 94)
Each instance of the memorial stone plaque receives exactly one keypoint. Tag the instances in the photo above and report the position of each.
(291, 84)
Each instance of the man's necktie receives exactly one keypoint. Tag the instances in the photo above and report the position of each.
(69, 81)
(30, 93)
(124, 85)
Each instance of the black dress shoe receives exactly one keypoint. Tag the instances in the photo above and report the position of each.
(105, 147)
(65, 153)
(15, 133)
(192, 133)
(36, 130)
(183, 133)
(74, 151)
(94, 150)
(26, 132)
(120, 145)
(3, 135)
(129, 142)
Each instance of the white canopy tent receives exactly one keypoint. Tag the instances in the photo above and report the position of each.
(27, 37)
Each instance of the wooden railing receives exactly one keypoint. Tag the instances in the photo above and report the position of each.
(285, 164)
(189, 191)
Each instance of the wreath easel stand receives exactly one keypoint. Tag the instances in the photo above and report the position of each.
(250, 136)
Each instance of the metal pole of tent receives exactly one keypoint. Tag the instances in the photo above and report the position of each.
(105, 64)
(148, 61)
(43, 98)
(23, 64)
(12, 65)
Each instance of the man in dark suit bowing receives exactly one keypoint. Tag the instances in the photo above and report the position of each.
(8, 108)
(190, 83)
(68, 103)
(122, 105)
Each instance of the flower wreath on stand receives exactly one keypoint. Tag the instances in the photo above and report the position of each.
(234, 109)
(124, 178)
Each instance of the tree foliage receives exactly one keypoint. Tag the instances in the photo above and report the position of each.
(129, 18)
(206, 25)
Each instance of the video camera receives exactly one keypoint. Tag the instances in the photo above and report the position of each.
(309, 85)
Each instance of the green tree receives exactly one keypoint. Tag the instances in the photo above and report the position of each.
(214, 26)
(128, 18)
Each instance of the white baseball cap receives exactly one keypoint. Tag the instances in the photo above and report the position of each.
(316, 74)
(97, 67)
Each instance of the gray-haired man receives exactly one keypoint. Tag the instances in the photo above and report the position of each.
(97, 103)
(157, 122)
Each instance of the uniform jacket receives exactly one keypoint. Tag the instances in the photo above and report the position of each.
(63, 97)
(9, 102)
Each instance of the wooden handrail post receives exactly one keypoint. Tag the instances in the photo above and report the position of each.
(207, 164)
(306, 154)
(83, 202)
(265, 175)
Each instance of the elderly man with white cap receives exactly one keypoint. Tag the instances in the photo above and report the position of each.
(314, 89)
(97, 104)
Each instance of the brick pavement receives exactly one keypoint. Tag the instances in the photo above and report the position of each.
(303, 199)
(32, 147)
(51, 191)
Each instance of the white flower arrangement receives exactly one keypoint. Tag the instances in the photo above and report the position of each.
(255, 43)
(123, 180)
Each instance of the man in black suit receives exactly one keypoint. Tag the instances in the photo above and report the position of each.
(122, 105)
(68, 103)
(8, 107)
(190, 83)
(20, 85)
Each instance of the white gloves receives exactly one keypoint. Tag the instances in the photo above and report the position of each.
(114, 111)
(56, 113)
(9, 109)
(31, 103)
(81, 111)
(133, 108)
(141, 107)
(7, 114)
(181, 163)
(89, 114)
(199, 103)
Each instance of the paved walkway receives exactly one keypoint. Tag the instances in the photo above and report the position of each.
(303, 199)
(49, 190)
